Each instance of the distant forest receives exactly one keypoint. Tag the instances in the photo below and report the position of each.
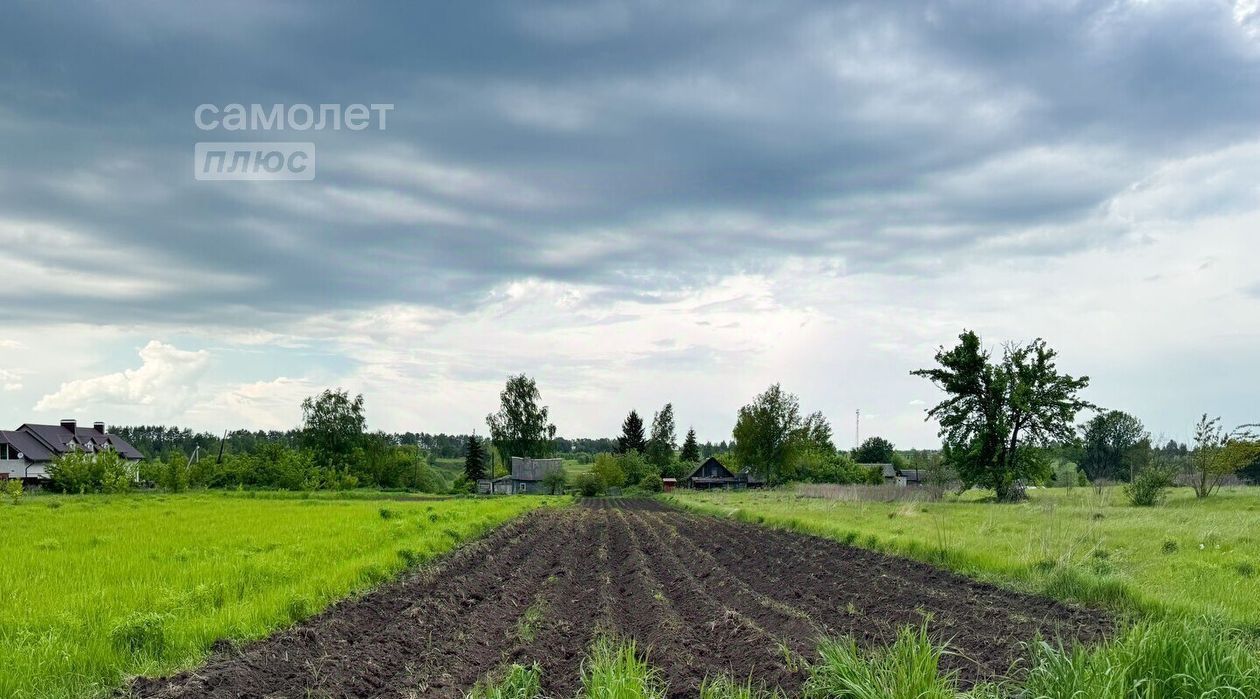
(160, 442)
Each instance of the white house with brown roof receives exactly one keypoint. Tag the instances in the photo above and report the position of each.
(26, 452)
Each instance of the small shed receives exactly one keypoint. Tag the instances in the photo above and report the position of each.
(668, 484)
(498, 486)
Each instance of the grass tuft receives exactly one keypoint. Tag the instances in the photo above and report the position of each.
(908, 669)
(724, 687)
(614, 670)
(520, 682)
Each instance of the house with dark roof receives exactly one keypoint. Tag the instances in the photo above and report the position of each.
(26, 452)
(712, 473)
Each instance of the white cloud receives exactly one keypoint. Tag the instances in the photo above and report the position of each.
(164, 384)
(264, 405)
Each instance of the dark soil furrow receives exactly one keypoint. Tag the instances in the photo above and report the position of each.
(642, 611)
(870, 596)
(788, 624)
(571, 614)
(735, 644)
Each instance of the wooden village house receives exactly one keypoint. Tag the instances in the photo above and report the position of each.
(526, 477)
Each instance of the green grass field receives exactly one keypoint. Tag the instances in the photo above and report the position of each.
(98, 588)
(1186, 556)
(454, 468)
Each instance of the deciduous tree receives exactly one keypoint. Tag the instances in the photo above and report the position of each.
(874, 450)
(1218, 454)
(766, 433)
(521, 427)
(1116, 446)
(333, 424)
(999, 414)
(661, 445)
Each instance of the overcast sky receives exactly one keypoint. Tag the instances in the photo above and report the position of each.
(632, 202)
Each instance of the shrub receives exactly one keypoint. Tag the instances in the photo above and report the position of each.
(87, 472)
(555, 481)
(652, 483)
(1149, 487)
(588, 484)
(12, 489)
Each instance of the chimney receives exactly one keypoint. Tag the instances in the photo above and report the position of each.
(99, 427)
(69, 425)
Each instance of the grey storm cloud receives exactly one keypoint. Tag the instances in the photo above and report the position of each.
(638, 147)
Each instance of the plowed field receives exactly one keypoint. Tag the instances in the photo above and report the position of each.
(703, 596)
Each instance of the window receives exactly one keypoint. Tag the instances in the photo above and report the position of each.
(8, 451)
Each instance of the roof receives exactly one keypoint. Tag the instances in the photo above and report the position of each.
(30, 447)
(704, 463)
(526, 469)
(55, 439)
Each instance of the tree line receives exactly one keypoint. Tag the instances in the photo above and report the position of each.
(1006, 422)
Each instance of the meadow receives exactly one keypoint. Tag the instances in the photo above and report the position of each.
(1187, 557)
(99, 588)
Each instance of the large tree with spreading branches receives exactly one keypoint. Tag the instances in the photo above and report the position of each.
(999, 414)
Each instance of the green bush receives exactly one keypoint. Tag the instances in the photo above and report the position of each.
(1149, 487)
(588, 484)
(12, 489)
(91, 472)
(652, 483)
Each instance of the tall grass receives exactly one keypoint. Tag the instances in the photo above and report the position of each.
(98, 588)
(1177, 659)
(908, 669)
(614, 670)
